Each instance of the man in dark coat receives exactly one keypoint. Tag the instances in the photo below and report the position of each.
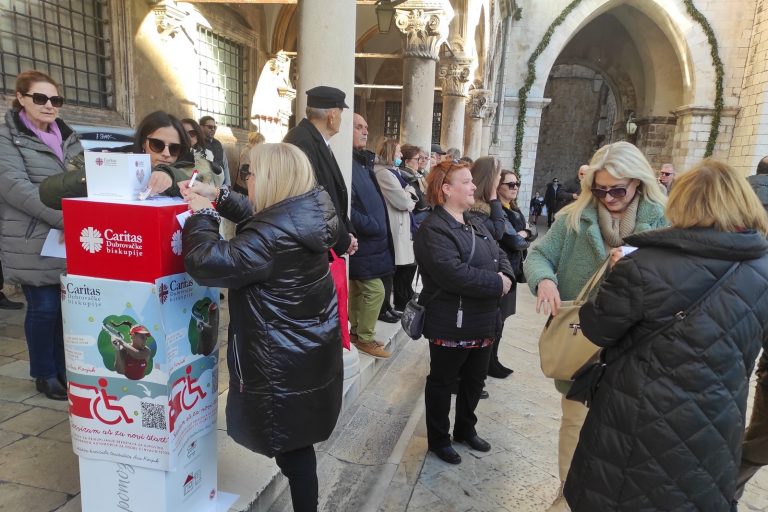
(754, 450)
(550, 200)
(208, 124)
(376, 258)
(312, 135)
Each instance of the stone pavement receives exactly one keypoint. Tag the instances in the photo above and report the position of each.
(375, 460)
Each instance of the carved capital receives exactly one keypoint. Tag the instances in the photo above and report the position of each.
(454, 74)
(424, 25)
(479, 103)
(168, 18)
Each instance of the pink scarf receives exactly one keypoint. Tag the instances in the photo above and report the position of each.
(51, 138)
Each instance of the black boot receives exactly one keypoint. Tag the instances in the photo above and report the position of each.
(495, 368)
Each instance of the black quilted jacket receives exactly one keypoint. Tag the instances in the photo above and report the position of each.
(665, 430)
(284, 353)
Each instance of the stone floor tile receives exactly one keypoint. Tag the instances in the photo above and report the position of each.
(10, 409)
(18, 369)
(11, 346)
(73, 505)
(11, 329)
(60, 432)
(34, 421)
(7, 438)
(40, 400)
(16, 390)
(369, 437)
(41, 463)
(6, 360)
(19, 498)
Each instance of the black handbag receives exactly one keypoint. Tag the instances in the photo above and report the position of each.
(586, 380)
(413, 314)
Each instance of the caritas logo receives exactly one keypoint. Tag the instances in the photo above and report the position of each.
(99, 161)
(91, 240)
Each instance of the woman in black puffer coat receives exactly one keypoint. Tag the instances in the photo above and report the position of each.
(284, 353)
(462, 288)
(664, 431)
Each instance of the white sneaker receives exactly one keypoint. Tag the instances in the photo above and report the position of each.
(559, 505)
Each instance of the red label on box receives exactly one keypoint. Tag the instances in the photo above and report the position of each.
(132, 241)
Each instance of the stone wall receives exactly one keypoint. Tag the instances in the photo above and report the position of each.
(655, 137)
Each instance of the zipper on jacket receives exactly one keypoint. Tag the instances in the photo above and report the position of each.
(238, 368)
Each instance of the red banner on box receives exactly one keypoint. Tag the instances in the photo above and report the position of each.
(131, 241)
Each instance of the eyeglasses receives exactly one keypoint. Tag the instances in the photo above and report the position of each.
(244, 172)
(667, 173)
(210, 126)
(511, 184)
(42, 99)
(192, 133)
(158, 146)
(617, 192)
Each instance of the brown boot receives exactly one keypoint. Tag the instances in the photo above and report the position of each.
(372, 348)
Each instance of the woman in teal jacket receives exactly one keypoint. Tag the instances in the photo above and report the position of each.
(619, 196)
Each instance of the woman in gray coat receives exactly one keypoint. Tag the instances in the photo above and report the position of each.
(34, 144)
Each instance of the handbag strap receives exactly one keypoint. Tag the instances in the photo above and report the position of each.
(439, 290)
(593, 281)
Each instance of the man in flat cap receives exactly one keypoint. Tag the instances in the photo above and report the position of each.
(312, 135)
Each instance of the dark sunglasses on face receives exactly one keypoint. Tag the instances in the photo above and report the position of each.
(42, 99)
(210, 126)
(158, 146)
(617, 192)
(192, 133)
(512, 184)
(667, 173)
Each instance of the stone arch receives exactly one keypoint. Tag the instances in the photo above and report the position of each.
(672, 20)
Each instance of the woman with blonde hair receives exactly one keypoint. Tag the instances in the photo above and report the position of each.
(619, 196)
(284, 352)
(400, 198)
(681, 320)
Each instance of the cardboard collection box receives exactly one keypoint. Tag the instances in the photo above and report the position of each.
(116, 176)
(142, 367)
(121, 487)
(130, 241)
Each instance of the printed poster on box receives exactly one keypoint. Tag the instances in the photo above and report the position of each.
(142, 366)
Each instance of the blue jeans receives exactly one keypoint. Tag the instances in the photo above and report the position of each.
(44, 331)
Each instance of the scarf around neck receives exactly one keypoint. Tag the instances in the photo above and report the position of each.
(51, 138)
(614, 233)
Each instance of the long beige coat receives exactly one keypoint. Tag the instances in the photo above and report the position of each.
(400, 201)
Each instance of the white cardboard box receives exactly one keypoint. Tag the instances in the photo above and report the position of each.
(116, 176)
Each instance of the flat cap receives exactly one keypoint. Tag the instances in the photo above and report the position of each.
(326, 97)
(437, 149)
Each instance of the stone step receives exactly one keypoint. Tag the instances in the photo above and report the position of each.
(256, 479)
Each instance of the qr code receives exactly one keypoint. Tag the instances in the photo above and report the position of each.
(152, 415)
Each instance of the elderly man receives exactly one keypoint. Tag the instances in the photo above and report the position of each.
(312, 135)
(667, 176)
(375, 259)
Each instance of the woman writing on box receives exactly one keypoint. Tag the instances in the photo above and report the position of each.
(284, 353)
(161, 136)
(35, 144)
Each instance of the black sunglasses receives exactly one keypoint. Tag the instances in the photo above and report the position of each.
(617, 192)
(511, 184)
(158, 146)
(41, 99)
(210, 126)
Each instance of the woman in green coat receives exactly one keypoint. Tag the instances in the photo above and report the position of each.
(619, 196)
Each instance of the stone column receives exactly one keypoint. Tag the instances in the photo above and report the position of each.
(477, 110)
(424, 26)
(326, 56)
(454, 75)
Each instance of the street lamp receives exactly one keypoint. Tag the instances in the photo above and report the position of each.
(385, 12)
(631, 124)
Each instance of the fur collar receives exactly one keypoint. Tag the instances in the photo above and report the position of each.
(482, 207)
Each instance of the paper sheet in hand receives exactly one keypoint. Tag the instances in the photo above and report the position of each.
(54, 245)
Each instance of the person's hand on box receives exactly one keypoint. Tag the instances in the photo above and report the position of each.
(197, 202)
(159, 182)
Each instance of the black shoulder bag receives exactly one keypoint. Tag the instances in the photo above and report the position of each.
(586, 380)
(413, 314)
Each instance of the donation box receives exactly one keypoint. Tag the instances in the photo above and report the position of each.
(130, 241)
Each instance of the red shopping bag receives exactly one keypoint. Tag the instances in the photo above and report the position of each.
(339, 274)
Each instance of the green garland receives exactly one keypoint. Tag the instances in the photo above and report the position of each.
(713, 51)
(531, 77)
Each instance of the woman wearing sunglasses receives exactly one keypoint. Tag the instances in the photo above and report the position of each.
(619, 196)
(35, 144)
(161, 136)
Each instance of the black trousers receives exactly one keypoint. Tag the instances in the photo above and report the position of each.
(402, 283)
(551, 215)
(447, 367)
(387, 304)
(300, 467)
